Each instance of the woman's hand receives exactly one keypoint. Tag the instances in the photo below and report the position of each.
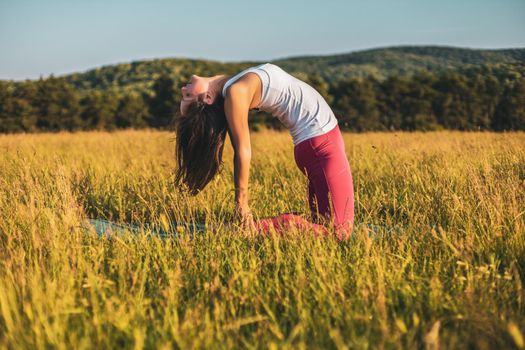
(244, 215)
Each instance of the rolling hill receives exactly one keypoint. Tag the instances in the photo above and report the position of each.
(381, 63)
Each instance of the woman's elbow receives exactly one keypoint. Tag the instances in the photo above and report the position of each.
(244, 154)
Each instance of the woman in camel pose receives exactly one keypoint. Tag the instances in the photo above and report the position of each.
(213, 106)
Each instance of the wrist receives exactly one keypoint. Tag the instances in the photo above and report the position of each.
(242, 207)
(241, 198)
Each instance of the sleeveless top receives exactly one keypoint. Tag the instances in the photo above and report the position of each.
(296, 104)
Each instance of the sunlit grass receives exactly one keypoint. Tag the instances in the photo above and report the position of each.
(449, 276)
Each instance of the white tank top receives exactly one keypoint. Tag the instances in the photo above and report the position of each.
(296, 104)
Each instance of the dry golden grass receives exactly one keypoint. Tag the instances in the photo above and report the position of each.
(449, 276)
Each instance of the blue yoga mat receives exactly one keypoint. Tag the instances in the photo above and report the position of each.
(106, 228)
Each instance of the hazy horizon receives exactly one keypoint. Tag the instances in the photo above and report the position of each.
(240, 61)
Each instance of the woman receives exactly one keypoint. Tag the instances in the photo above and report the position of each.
(212, 106)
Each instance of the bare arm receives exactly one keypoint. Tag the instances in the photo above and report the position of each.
(236, 107)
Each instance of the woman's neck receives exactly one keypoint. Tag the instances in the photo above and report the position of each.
(217, 83)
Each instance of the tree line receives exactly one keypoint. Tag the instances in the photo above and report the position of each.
(458, 100)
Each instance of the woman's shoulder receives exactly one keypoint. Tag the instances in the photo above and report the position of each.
(247, 76)
(245, 83)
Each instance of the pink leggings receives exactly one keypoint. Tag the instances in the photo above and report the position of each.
(330, 187)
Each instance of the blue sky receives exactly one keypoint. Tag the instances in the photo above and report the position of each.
(38, 38)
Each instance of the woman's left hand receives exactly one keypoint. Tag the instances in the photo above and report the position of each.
(245, 216)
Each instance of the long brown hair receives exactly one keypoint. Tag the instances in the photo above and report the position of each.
(201, 133)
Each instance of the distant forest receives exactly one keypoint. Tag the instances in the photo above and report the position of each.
(402, 88)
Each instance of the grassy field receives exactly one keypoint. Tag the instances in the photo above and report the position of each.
(451, 276)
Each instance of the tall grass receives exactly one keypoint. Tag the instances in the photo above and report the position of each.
(450, 276)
